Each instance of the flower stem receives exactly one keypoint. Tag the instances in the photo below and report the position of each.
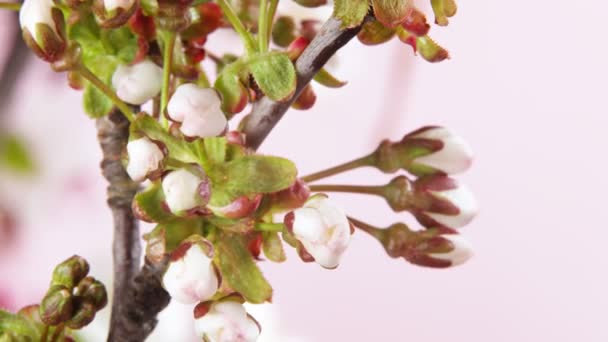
(169, 46)
(11, 6)
(357, 189)
(368, 228)
(104, 88)
(263, 26)
(269, 227)
(238, 26)
(364, 161)
(57, 333)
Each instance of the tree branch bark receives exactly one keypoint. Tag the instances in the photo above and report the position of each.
(138, 296)
(267, 113)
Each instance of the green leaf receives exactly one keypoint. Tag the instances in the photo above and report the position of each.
(239, 270)
(258, 175)
(275, 75)
(14, 155)
(234, 94)
(351, 12)
(96, 103)
(391, 13)
(148, 205)
(325, 78)
(273, 247)
(18, 326)
(178, 149)
(216, 149)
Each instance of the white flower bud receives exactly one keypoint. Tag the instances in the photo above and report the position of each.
(199, 111)
(322, 228)
(191, 276)
(181, 188)
(461, 252)
(139, 83)
(447, 202)
(111, 5)
(144, 158)
(34, 12)
(453, 156)
(227, 321)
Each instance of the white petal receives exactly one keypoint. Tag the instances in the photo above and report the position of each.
(308, 224)
(191, 279)
(461, 197)
(462, 252)
(34, 12)
(181, 190)
(456, 155)
(198, 109)
(227, 322)
(139, 83)
(111, 5)
(144, 157)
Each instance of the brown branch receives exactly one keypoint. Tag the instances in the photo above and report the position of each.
(138, 296)
(266, 113)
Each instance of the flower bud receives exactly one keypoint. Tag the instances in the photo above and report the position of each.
(191, 276)
(43, 28)
(306, 100)
(443, 201)
(138, 83)
(291, 198)
(181, 188)
(297, 47)
(436, 247)
(114, 13)
(226, 321)
(93, 291)
(283, 31)
(429, 150)
(239, 208)
(416, 23)
(322, 228)
(70, 272)
(199, 111)
(57, 305)
(84, 314)
(145, 157)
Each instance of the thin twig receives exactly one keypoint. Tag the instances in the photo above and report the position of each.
(266, 113)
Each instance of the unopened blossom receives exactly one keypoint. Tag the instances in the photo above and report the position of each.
(198, 110)
(458, 253)
(191, 276)
(145, 157)
(445, 151)
(181, 188)
(443, 201)
(111, 5)
(322, 228)
(40, 21)
(226, 321)
(138, 83)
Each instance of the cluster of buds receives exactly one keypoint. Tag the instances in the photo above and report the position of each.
(73, 298)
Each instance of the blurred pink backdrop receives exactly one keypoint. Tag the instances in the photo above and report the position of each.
(525, 86)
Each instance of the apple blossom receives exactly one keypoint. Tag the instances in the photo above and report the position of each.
(145, 157)
(181, 188)
(138, 83)
(226, 321)
(198, 110)
(322, 228)
(191, 276)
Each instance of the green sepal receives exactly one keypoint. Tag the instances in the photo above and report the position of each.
(148, 205)
(275, 75)
(351, 12)
(239, 270)
(231, 225)
(374, 32)
(273, 247)
(391, 13)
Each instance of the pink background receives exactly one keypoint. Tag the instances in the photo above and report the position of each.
(525, 86)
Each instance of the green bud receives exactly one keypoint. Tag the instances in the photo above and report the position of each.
(70, 272)
(94, 291)
(57, 305)
(283, 31)
(84, 314)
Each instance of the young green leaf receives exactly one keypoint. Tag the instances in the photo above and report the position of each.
(273, 247)
(258, 174)
(374, 32)
(327, 79)
(234, 94)
(275, 75)
(17, 326)
(96, 103)
(351, 12)
(216, 149)
(239, 270)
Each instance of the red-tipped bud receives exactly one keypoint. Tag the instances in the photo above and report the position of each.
(239, 208)
(306, 100)
(416, 23)
(297, 47)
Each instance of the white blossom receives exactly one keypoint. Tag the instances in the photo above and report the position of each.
(111, 5)
(191, 278)
(139, 83)
(461, 252)
(199, 111)
(461, 198)
(34, 12)
(144, 158)
(227, 321)
(454, 157)
(323, 229)
(181, 188)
